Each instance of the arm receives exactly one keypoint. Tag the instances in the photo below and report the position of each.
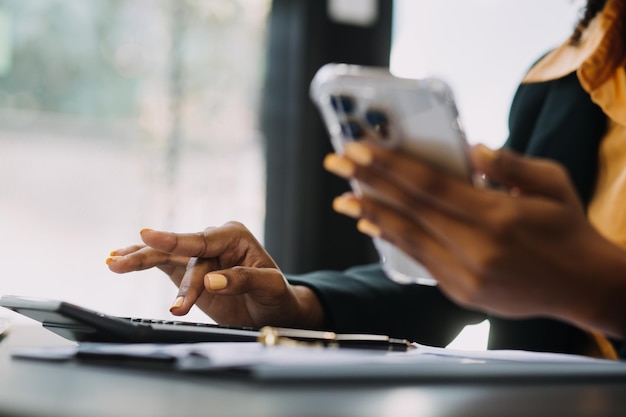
(364, 300)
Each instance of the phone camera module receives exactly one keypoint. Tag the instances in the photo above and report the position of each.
(378, 121)
(352, 129)
(342, 104)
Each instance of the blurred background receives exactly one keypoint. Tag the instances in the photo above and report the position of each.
(117, 115)
(121, 114)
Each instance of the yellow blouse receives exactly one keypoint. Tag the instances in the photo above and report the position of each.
(600, 64)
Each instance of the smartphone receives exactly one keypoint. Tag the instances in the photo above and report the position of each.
(416, 116)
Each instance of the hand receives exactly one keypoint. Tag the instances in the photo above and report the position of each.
(527, 251)
(227, 273)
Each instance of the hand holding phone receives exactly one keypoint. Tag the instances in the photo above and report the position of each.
(416, 116)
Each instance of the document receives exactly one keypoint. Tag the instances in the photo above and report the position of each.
(423, 363)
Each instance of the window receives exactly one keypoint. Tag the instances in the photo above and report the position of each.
(482, 48)
(117, 115)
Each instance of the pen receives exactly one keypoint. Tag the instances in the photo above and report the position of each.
(276, 336)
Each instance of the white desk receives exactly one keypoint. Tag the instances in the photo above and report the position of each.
(33, 388)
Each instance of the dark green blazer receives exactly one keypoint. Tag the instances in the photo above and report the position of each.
(554, 119)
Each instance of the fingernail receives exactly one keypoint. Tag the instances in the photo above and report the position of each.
(113, 252)
(338, 165)
(113, 259)
(216, 281)
(348, 206)
(486, 153)
(178, 302)
(359, 153)
(145, 229)
(368, 228)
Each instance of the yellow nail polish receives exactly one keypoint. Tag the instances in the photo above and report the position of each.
(338, 165)
(145, 229)
(486, 153)
(368, 228)
(359, 153)
(217, 281)
(348, 206)
(178, 302)
(113, 258)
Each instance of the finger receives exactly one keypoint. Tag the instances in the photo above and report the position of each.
(176, 274)
(186, 244)
(529, 175)
(395, 177)
(126, 251)
(440, 260)
(232, 241)
(421, 233)
(264, 285)
(381, 221)
(142, 259)
(437, 199)
(192, 285)
(417, 189)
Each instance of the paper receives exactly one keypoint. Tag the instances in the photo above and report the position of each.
(308, 363)
(4, 324)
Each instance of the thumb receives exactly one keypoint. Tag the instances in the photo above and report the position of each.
(265, 285)
(525, 174)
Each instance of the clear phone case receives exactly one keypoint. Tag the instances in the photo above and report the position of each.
(418, 116)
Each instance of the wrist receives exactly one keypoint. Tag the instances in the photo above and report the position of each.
(312, 314)
(599, 301)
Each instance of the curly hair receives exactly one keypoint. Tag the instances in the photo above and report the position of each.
(588, 12)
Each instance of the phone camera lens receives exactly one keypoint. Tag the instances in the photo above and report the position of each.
(379, 122)
(352, 129)
(343, 104)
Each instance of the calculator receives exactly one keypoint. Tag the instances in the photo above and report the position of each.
(80, 324)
